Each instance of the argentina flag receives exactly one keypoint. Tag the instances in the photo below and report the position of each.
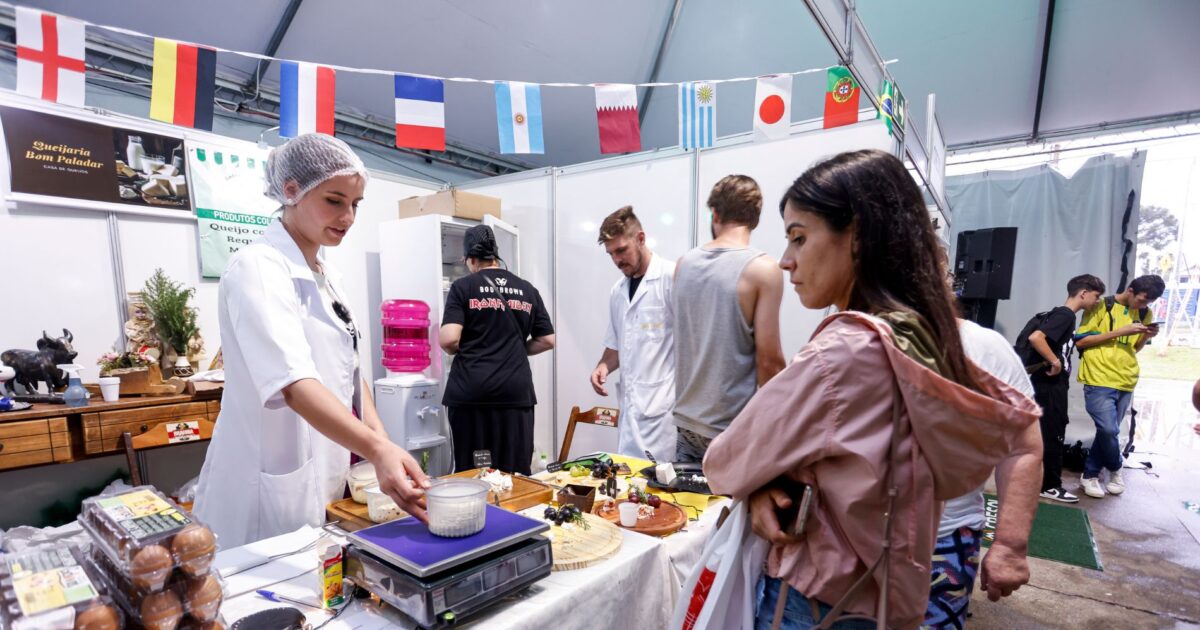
(519, 117)
(697, 115)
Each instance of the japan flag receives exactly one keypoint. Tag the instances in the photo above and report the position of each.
(773, 107)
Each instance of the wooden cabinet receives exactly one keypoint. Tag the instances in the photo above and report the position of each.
(102, 431)
(50, 434)
(33, 442)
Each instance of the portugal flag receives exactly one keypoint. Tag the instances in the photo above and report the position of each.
(841, 97)
(181, 91)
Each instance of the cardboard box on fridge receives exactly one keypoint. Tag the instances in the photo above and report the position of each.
(452, 203)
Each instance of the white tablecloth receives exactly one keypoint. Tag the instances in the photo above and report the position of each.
(636, 588)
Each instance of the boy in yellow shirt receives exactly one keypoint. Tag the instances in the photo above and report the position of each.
(1111, 335)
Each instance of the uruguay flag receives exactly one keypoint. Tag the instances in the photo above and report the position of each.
(420, 113)
(519, 117)
(306, 96)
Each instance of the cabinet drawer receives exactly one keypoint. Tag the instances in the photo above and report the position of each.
(102, 431)
(34, 442)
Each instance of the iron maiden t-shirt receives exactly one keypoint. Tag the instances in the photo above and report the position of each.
(491, 368)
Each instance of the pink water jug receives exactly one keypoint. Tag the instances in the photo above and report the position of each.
(405, 335)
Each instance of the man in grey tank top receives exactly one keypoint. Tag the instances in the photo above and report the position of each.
(727, 296)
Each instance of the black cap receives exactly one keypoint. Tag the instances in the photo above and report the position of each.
(479, 242)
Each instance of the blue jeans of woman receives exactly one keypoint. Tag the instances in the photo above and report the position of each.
(1107, 407)
(797, 614)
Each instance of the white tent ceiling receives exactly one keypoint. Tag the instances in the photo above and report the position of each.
(1109, 60)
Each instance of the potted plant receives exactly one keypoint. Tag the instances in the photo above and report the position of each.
(133, 369)
(173, 318)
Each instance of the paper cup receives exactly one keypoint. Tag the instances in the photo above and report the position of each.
(629, 513)
(110, 388)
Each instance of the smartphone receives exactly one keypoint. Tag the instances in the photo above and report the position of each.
(794, 519)
(1157, 324)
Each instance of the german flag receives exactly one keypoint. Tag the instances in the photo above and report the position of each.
(184, 78)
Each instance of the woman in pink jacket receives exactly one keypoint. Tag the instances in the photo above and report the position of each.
(881, 412)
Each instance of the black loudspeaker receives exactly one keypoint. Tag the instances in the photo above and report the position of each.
(983, 263)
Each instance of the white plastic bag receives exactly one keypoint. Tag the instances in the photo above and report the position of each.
(720, 592)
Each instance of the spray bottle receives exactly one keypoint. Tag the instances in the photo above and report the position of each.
(76, 395)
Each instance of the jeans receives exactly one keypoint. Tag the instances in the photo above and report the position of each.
(797, 614)
(1107, 406)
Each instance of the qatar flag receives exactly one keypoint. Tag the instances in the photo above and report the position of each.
(773, 107)
(617, 118)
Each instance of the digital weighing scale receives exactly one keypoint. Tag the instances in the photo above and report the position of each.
(426, 576)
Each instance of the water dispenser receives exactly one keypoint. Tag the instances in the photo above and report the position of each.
(407, 400)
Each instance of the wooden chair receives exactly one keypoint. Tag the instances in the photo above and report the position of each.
(599, 416)
(170, 433)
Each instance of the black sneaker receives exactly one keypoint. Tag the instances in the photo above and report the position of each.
(1060, 495)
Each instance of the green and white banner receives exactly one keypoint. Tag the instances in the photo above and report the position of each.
(231, 209)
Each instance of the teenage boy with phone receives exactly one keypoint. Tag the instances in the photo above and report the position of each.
(1111, 335)
(1049, 351)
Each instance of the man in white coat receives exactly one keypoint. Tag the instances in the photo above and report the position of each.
(640, 340)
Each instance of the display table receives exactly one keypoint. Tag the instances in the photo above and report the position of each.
(633, 589)
(636, 588)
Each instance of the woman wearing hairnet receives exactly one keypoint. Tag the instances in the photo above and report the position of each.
(280, 451)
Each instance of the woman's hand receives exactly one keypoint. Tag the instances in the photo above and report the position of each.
(401, 478)
(763, 518)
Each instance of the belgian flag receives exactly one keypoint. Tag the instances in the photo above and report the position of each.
(185, 76)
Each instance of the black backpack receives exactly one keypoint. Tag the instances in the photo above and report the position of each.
(1029, 356)
(1109, 301)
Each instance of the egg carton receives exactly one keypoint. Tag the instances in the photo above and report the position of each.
(35, 583)
(193, 602)
(147, 536)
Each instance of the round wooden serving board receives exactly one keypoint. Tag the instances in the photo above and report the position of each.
(668, 518)
(579, 548)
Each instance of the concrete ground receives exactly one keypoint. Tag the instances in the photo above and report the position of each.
(1149, 540)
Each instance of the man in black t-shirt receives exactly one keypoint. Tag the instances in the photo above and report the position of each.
(1053, 341)
(493, 322)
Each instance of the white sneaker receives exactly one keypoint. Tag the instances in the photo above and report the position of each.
(1116, 483)
(1091, 487)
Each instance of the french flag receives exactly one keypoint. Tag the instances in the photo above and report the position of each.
(420, 113)
(306, 98)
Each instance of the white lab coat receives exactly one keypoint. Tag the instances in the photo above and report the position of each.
(268, 471)
(642, 332)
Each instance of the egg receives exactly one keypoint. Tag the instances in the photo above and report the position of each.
(194, 547)
(150, 568)
(101, 617)
(203, 597)
(161, 611)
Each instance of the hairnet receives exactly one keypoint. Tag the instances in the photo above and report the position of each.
(479, 242)
(309, 160)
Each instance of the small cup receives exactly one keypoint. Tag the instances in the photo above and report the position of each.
(110, 388)
(639, 483)
(629, 513)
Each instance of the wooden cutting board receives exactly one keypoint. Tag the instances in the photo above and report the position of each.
(525, 493)
(668, 518)
(579, 548)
